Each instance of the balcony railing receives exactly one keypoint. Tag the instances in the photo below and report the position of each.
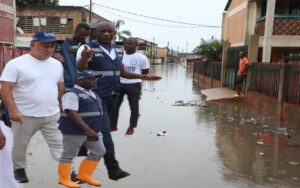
(283, 25)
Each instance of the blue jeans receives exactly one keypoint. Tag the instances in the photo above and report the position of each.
(110, 160)
(133, 92)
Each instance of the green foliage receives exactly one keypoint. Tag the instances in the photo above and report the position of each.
(211, 49)
(36, 3)
(121, 35)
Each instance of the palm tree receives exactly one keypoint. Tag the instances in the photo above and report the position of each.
(121, 35)
(211, 49)
(28, 3)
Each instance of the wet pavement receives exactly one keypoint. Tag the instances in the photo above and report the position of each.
(228, 143)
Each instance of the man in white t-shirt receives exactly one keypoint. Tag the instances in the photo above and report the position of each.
(32, 86)
(137, 63)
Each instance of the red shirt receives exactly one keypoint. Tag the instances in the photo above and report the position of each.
(243, 66)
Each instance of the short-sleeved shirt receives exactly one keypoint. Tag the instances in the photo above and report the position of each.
(134, 63)
(243, 66)
(36, 90)
(70, 100)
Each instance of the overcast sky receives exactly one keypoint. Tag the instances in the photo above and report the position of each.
(180, 37)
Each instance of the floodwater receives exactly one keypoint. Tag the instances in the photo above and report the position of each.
(227, 144)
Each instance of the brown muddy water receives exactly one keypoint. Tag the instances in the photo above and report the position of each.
(227, 144)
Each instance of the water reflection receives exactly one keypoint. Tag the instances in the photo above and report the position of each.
(254, 147)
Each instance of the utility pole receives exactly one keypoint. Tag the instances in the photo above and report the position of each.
(90, 17)
(187, 46)
(153, 51)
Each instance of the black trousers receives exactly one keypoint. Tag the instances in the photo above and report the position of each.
(133, 92)
(108, 104)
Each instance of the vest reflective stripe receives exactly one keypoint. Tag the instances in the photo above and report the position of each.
(85, 114)
(106, 73)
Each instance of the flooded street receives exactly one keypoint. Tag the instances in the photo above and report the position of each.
(225, 144)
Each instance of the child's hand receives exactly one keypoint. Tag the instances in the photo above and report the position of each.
(91, 135)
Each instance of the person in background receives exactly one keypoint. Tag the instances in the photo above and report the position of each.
(32, 86)
(80, 124)
(137, 63)
(242, 73)
(68, 51)
(103, 57)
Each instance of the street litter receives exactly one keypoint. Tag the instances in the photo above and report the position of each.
(293, 163)
(150, 89)
(162, 133)
(190, 103)
(230, 118)
(293, 145)
(260, 142)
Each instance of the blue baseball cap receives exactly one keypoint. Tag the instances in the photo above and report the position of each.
(44, 36)
(87, 74)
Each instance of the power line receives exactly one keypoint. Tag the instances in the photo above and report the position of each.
(149, 23)
(161, 19)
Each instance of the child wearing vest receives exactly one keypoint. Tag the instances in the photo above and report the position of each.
(80, 125)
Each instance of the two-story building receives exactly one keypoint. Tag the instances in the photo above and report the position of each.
(269, 29)
(61, 20)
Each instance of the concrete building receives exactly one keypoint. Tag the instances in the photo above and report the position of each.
(61, 20)
(7, 21)
(147, 48)
(269, 29)
(161, 55)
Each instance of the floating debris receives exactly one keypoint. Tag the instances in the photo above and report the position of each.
(293, 163)
(150, 89)
(265, 126)
(190, 103)
(163, 133)
(261, 153)
(259, 142)
(295, 178)
(230, 118)
(293, 145)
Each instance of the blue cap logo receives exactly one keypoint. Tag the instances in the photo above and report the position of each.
(44, 36)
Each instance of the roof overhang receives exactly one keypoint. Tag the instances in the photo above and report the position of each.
(227, 5)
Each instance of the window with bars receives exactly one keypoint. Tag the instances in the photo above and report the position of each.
(54, 24)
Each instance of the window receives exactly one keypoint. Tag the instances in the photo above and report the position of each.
(26, 24)
(36, 22)
(294, 8)
(263, 9)
(291, 56)
(66, 25)
(54, 24)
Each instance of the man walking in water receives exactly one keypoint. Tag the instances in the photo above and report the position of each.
(136, 63)
(105, 58)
